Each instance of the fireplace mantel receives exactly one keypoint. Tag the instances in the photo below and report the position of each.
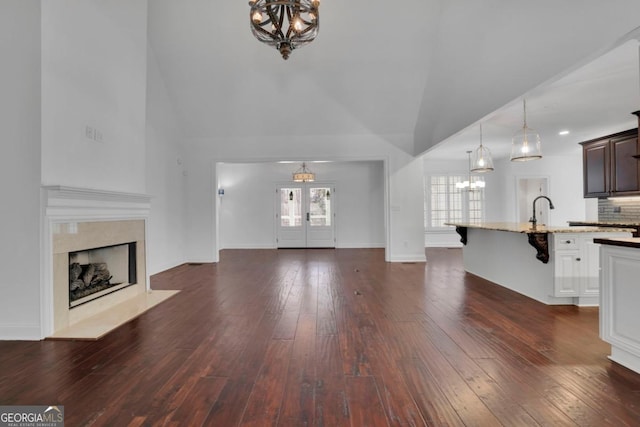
(71, 211)
(72, 203)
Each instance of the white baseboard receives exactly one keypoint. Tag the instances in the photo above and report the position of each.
(355, 245)
(250, 246)
(408, 258)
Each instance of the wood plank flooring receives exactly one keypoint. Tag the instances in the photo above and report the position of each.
(332, 338)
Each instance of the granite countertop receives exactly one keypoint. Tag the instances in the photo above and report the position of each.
(629, 242)
(619, 223)
(525, 227)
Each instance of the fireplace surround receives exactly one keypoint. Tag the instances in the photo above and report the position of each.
(83, 238)
(77, 222)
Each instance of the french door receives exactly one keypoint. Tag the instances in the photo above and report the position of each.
(305, 217)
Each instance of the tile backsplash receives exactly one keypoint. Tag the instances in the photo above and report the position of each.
(620, 209)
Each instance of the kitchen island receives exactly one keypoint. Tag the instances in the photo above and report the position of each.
(553, 265)
(635, 225)
(619, 315)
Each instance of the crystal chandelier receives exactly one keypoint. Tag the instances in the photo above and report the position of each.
(304, 175)
(284, 24)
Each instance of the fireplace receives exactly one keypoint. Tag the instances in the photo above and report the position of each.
(83, 226)
(108, 257)
(96, 272)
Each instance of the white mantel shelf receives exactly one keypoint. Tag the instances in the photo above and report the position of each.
(74, 203)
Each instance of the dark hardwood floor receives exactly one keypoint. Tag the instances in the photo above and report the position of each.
(332, 338)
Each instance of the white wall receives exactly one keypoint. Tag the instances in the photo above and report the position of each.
(20, 172)
(402, 192)
(165, 176)
(564, 175)
(94, 74)
(247, 209)
(470, 76)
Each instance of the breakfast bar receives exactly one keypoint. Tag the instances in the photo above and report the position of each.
(553, 265)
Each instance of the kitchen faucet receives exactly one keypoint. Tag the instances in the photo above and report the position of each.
(533, 219)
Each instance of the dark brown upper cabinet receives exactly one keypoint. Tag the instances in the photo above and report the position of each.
(596, 168)
(611, 165)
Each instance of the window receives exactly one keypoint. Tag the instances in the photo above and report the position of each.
(443, 202)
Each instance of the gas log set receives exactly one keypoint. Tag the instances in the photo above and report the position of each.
(87, 279)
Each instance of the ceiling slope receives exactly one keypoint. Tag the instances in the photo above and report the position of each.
(489, 53)
(364, 74)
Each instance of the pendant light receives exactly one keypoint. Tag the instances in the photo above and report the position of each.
(470, 185)
(303, 174)
(482, 161)
(526, 142)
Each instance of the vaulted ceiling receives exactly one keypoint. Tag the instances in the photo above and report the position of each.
(382, 68)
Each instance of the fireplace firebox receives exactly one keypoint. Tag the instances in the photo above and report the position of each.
(96, 272)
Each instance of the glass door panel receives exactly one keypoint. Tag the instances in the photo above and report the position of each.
(320, 228)
(291, 229)
(319, 207)
(290, 207)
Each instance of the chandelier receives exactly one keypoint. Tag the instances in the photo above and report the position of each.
(284, 24)
(304, 175)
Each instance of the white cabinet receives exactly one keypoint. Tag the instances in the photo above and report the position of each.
(577, 266)
(567, 273)
(590, 285)
(619, 314)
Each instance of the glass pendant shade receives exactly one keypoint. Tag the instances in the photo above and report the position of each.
(470, 185)
(481, 161)
(525, 144)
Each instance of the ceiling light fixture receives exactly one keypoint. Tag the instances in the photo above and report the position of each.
(304, 175)
(284, 24)
(471, 186)
(482, 161)
(526, 142)
(564, 132)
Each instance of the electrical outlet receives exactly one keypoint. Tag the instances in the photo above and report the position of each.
(88, 132)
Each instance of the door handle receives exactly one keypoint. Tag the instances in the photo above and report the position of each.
(307, 216)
